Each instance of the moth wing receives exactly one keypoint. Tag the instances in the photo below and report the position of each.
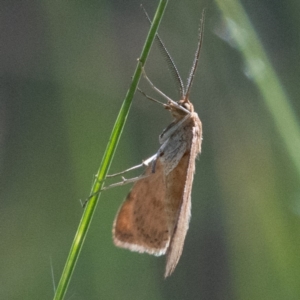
(184, 172)
(141, 224)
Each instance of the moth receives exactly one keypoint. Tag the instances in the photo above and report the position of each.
(154, 218)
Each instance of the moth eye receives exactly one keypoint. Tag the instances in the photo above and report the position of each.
(186, 106)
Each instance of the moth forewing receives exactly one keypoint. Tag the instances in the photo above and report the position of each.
(154, 218)
(187, 163)
(134, 227)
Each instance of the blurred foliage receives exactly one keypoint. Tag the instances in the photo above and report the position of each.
(65, 68)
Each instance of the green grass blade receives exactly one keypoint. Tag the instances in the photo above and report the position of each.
(272, 236)
(264, 76)
(106, 161)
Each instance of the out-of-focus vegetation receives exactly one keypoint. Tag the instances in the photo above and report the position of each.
(65, 68)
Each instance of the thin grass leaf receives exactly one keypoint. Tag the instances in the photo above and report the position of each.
(273, 224)
(263, 74)
(106, 161)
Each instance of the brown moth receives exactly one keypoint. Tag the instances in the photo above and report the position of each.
(154, 217)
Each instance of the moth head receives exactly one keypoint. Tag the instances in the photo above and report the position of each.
(176, 110)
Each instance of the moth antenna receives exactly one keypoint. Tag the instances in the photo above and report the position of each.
(171, 64)
(196, 59)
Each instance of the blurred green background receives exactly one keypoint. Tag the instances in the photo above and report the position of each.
(65, 69)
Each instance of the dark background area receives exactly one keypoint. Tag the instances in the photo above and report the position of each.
(65, 67)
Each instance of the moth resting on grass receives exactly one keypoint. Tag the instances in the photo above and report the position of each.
(154, 217)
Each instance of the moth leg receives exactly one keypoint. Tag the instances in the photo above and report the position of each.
(145, 163)
(150, 98)
(124, 181)
(161, 93)
(154, 87)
